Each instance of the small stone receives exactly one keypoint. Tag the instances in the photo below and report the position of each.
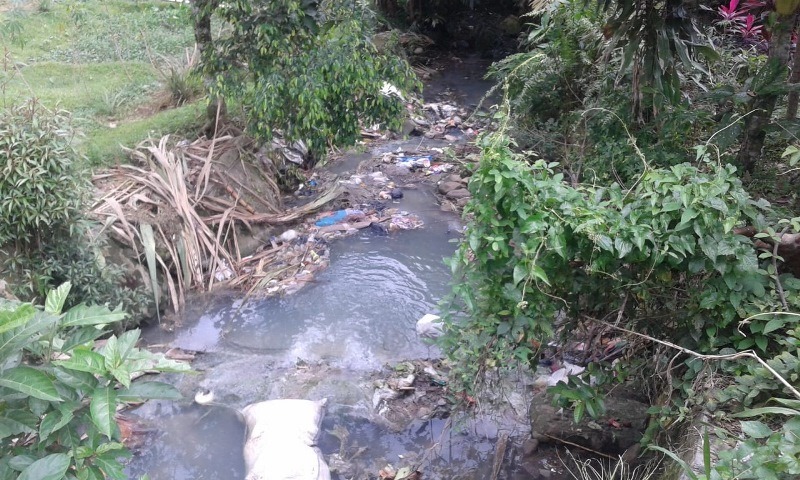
(453, 178)
(451, 138)
(545, 473)
(458, 193)
(396, 193)
(446, 187)
(409, 127)
(418, 50)
(462, 202)
(530, 446)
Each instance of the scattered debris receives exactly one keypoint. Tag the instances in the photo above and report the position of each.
(411, 390)
(406, 473)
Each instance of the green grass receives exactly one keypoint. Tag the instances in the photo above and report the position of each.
(102, 145)
(99, 60)
(80, 88)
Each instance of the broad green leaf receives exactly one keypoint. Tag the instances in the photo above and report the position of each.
(69, 437)
(604, 243)
(102, 408)
(94, 315)
(539, 273)
(21, 462)
(13, 340)
(577, 414)
(13, 426)
(80, 380)
(51, 467)
(30, 381)
(12, 319)
(56, 298)
(84, 360)
(755, 429)
(110, 352)
(761, 342)
(24, 417)
(109, 447)
(520, 272)
(110, 465)
(52, 422)
(126, 342)
(774, 324)
(789, 402)
(503, 328)
(82, 336)
(623, 247)
(149, 390)
(90, 473)
(122, 373)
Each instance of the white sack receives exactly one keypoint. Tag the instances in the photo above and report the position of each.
(281, 440)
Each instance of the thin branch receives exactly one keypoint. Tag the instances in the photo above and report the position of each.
(732, 356)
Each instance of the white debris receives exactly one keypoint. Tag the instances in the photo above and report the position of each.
(389, 90)
(430, 326)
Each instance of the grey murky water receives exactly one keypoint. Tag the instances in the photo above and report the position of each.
(358, 316)
(330, 340)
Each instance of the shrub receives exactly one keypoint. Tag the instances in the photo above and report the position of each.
(41, 186)
(59, 389)
(77, 259)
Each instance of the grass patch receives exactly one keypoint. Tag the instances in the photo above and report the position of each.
(80, 88)
(102, 145)
(101, 61)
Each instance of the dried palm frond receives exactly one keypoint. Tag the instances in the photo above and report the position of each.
(178, 206)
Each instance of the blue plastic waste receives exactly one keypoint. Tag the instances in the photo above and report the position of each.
(336, 217)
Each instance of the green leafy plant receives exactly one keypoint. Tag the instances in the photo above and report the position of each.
(41, 185)
(60, 389)
(78, 259)
(537, 246)
(311, 73)
(765, 452)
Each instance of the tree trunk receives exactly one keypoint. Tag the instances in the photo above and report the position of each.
(762, 105)
(202, 10)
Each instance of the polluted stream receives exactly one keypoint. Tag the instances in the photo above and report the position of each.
(335, 339)
(332, 339)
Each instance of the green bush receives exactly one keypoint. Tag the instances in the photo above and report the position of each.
(311, 70)
(77, 259)
(41, 186)
(59, 389)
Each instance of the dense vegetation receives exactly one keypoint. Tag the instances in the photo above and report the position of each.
(629, 186)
